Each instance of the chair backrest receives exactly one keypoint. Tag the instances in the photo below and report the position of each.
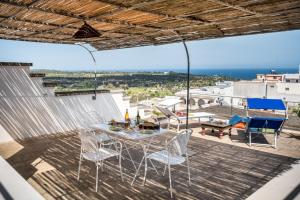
(266, 122)
(88, 140)
(166, 112)
(178, 144)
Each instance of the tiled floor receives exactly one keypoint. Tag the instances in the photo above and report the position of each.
(219, 171)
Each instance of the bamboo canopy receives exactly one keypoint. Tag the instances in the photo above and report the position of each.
(132, 23)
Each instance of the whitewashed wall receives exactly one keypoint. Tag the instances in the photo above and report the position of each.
(249, 89)
(26, 112)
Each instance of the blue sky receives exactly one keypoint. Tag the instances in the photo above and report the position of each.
(279, 49)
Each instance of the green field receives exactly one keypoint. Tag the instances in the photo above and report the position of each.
(138, 85)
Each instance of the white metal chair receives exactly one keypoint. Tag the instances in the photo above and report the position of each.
(175, 153)
(90, 151)
(104, 138)
(101, 137)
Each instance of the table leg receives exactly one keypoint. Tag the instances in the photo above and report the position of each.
(145, 150)
(221, 133)
(137, 171)
(126, 148)
(202, 131)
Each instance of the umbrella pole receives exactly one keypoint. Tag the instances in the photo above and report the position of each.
(187, 84)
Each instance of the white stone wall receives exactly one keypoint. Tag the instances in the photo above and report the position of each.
(294, 88)
(249, 89)
(26, 112)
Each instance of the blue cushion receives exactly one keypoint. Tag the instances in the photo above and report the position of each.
(266, 122)
(237, 119)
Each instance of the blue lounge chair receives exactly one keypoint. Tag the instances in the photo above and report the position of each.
(260, 125)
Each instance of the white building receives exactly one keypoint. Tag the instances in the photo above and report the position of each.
(291, 78)
(283, 86)
(209, 95)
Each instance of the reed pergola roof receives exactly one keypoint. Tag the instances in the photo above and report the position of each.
(132, 23)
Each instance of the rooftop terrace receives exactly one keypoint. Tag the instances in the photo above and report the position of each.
(44, 149)
(218, 170)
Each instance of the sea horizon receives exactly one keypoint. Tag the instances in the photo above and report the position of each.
(235, 73)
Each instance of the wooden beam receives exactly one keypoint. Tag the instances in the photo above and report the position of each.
(66, 14)
(133, 7)
(57, 27)
(193, 20)
(2, 19)
(32, 3)
(36, 22)
(26, 30)
(103, 32)
(122, 7)
(43, 40)
(62, 13)
(240, 8)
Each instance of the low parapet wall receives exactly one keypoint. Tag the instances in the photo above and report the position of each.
(26, 112)
(25, 117)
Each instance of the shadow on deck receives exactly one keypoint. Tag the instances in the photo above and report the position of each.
(219, 171)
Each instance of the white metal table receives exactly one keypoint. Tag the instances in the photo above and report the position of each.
(145, 140)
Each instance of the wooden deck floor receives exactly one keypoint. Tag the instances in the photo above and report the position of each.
(219, 171)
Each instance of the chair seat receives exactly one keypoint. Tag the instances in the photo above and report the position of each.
(103, 137)
(162, 156)
(102, 154)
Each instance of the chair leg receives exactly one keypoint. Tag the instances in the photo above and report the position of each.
(275, 140)
(153, 166)
(80, 159)
(97, 169)
(170, 181)
(126, 148)
(120, 165)
(146, 168)
(102, 166)
(188, 169)
(165, 170)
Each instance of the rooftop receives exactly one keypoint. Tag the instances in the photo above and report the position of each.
(218, 171)
(292, 76)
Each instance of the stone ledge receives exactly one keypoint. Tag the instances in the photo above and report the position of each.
(36, 75)
(15, 64)
(81, 92)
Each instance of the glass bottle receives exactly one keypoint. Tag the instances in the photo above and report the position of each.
(127, 119)
(138, 118)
